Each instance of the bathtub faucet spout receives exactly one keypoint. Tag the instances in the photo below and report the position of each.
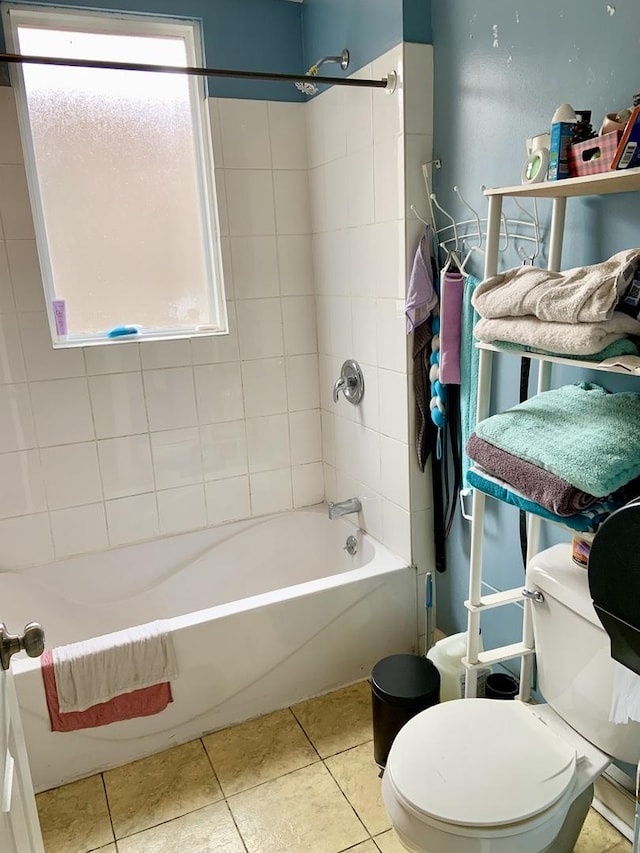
(344, 507)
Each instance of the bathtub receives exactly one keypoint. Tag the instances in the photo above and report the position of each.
(263, 613)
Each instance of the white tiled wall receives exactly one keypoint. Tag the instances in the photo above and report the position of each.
(365, 149)
(109, 445)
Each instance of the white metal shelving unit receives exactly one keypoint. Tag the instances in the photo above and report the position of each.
(559, 191)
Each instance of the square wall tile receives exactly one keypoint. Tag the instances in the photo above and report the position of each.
(365, 331)
(264, 386)
(15, 207)
(216, 132)
(308, 484)
(222, 207)
(271, 491)
(182, 509)
(299, 320)
(132, 519)
(157, 354)
(418, 149)
(303, 383)
(41, 360)
(177, 460)
(224, 450)
(25, 275)
(268, 443)
(260, 328)
(367, 452)
(392, 338)
(334, 126)
(389, 168)
(328, 440)
(306, 437)
(125, 464)
(255, 267)
(396, 527)
(17, 430)
(359, 117)
(171, 400)
(245, 134)
(219, 392)
(61, 411)
(79, 530)
(71, 475)
(227, 500)
(112, 358)
(388, 110)
(296, 265)
(25, 541)
(318, 199)
(292, 202)
(12, 367)
(391, 272)
(371, 512)
(117, 401)
(362, 269)
(216, 349)
(316, 114)
(336, 200)
(368, 409)
(288, 132)
(250, 202)
(22, 486)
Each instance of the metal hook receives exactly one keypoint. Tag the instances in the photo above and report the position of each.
(454, 224)
(536, 230)
(413, 209)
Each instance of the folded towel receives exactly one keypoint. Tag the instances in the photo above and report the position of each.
(469, 363)
(451, 292)
(100, 669)
(587, 521)
(536, 484)
(138, 703)
(562, 338)
(623, 346)
(579, 432)
(421, 296)
(580, 295)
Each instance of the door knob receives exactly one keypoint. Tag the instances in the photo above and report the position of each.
(32, 641)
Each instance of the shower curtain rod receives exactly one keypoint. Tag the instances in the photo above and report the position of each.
(17, 58)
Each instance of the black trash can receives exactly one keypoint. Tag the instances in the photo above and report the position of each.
(500, 685)
(401, 687)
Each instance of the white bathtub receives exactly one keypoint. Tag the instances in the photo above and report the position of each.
(263, 613)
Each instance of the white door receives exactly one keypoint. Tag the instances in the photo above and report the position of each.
(19, 827)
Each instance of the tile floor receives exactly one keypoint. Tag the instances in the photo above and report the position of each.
(301, 780)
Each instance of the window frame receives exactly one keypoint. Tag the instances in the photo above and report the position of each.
(65, 18)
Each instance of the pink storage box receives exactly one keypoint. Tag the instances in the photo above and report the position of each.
(593, 156)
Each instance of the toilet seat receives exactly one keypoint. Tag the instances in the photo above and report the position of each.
(479, 764)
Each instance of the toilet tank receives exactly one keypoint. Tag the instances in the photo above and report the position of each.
(575, 669)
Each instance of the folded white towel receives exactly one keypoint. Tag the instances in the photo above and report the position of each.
(580, 295)
(99, 669)
(563, 338)
(625, 697)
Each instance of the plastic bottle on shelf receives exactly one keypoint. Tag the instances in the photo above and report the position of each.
(447, 656)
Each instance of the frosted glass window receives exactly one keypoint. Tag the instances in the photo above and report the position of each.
(120, 176)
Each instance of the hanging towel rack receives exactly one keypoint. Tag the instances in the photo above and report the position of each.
(472, 232)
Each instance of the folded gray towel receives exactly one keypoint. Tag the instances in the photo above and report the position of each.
(543, 487)
(580, 295)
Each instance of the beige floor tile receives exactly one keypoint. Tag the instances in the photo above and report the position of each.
(208, 830)
(598, 835)
(365, 847)
(624, 847)
(161, 787)
(111, 848)
(357, 775)
(301, 812)
(389, 842)
(338, 720)
(75, 817)
(257, 751)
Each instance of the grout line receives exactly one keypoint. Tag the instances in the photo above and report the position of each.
(106, 797)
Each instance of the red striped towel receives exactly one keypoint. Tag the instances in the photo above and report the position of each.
(137, 703)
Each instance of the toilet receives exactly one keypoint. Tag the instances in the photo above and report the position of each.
(489, 776)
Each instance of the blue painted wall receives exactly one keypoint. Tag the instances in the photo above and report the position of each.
(367, 27)
(493, 88)
(253, 35)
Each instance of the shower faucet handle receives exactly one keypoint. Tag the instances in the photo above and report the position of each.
(350, 382)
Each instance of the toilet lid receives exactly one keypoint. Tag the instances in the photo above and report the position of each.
(479, 762)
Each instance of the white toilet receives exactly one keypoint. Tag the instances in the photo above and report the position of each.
(489, 776)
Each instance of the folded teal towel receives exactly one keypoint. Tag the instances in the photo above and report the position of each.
(469, 360)
(623, 346)
(584, 522)
(579, 432)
